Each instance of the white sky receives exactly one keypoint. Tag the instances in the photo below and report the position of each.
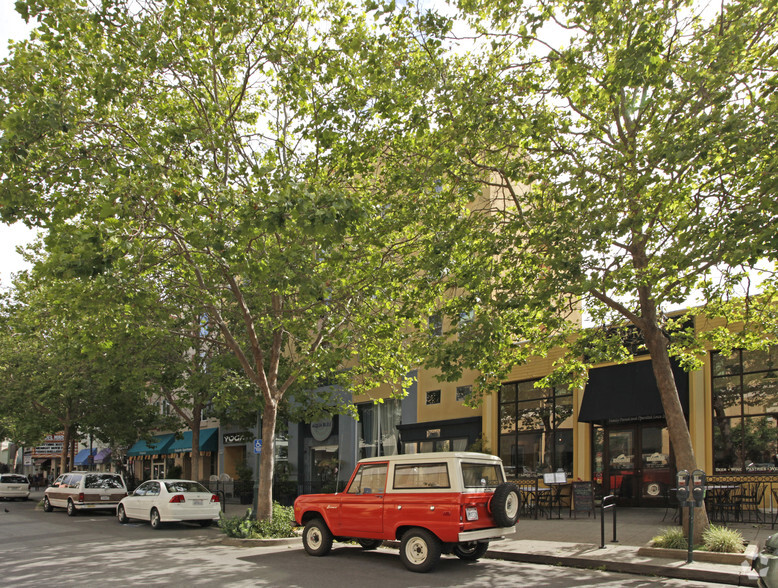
(12, 27)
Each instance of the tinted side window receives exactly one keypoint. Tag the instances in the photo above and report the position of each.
(428, 475)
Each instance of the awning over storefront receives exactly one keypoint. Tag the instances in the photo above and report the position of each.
(103, 456)
(158, 446)
(209, 441)
(82, 457)
(628, 393)
(467, 427)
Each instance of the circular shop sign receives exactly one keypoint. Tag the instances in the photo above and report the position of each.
(322, 429)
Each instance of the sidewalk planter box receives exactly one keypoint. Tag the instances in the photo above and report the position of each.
(749, 554)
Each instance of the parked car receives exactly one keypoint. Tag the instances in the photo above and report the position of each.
(766, 563)
(13, 486)
(163, 501)
(77, 491)
(432, 503)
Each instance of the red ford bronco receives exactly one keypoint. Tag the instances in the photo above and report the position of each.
(432, 503)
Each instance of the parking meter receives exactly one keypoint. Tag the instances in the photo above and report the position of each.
(698, 487)
(682, 483)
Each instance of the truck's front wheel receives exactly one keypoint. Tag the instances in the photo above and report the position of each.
(419, 550)
(317, 538)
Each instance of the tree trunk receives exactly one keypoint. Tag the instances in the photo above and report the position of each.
(267, 461)
(676, 422)
(196, 416)
(63, 458)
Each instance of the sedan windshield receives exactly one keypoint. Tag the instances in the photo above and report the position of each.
(185, 486)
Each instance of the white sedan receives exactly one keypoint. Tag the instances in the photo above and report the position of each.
(14, 486)
(164, 501)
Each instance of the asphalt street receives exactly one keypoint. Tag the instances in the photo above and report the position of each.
(38, 548)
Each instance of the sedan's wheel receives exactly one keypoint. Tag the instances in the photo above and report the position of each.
(471, 551)
(47, 505)
(121, 516)
(71, 509)
(317, 538)
(505, 504)
(419, 550)
(368, 544)
(156, 521)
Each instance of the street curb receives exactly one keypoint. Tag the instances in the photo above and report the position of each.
(626, 567)
(236, 542)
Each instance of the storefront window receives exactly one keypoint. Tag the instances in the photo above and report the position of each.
(535, 429)
(745, 411)
(377, 428)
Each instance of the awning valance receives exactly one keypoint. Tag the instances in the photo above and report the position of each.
(628, 393)
(209, 441)
(159, 445)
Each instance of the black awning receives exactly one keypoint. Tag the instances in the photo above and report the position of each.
(628, 392)
(468, 427)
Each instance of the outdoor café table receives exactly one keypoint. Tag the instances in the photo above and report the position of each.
(529, 499)
(719, 501)
(555, 498)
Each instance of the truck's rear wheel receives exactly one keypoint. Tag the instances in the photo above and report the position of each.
(368, 544)
(471, 551)
(505, 504)
(317, 538)
(419, 550)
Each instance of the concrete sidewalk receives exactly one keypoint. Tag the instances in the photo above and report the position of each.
(575, 542)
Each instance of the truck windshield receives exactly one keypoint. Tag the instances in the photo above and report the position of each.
(482, 475)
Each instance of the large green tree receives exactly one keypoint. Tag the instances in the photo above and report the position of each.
(631, 159)
(239, 155)
(62, 372)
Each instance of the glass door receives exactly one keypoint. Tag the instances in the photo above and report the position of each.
(621, 461)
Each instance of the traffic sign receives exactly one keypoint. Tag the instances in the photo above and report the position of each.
(257, 445)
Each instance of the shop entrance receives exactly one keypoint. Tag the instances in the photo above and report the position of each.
(634, 462)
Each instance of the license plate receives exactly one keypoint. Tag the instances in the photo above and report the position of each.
(14, 487)
(471, 513)
(197, 502)
(105, 498)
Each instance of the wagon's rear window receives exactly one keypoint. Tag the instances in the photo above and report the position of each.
(428, 475)
(482, 475)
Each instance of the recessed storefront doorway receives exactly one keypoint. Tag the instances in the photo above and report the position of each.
(634, 462)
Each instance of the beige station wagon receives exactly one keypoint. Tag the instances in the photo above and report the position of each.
(77, 491)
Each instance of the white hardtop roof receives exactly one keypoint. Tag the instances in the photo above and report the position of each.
(435, 456)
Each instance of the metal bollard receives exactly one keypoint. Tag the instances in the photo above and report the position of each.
(611, 500)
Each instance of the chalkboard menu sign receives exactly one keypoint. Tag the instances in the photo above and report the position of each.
(583, 497)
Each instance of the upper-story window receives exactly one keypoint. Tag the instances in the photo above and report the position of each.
(433, 397)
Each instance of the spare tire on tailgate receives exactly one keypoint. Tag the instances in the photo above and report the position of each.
(505, 503)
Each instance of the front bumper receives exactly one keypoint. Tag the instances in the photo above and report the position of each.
(483, 534)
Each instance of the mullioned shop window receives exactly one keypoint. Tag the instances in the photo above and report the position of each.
(536, 433)
(745, 411)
